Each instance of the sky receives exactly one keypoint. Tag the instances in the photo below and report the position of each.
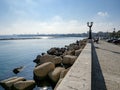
(58, 16)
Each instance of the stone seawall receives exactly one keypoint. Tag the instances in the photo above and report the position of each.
(79, 76)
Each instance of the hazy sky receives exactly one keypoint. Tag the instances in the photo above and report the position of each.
(58, 16)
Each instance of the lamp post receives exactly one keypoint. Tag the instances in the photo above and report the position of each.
(90, 24)
(113, 33)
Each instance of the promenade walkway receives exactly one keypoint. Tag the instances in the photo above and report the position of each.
(106, 66)
(96, 68)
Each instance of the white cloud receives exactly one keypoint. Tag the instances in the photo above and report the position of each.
(57, 19)
(55, 25)
(102, 26)
(103, 14)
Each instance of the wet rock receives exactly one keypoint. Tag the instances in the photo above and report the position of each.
(69, 59)
(37, 60)
(24, 85)
(56, 51)
(7, 84)
(55, 74)
(42, 70)
(62, 50)
(43, 54)
(38, 57)
(18, 69)
(52, 51)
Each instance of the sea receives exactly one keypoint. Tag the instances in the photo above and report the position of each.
(16, 52)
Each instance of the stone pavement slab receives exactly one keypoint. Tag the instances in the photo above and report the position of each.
(109, 60)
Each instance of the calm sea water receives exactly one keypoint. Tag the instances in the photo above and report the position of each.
(15, 53)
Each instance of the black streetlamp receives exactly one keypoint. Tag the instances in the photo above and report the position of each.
(113, 33)
(90, 32)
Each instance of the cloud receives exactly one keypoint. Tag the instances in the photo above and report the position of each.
(101, 22)
(57, 19)
(55, 25)
(103, 26)
(103, 14)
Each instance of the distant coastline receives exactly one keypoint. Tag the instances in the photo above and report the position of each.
(36, 36)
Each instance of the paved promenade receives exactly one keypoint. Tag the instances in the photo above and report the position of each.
(96, 68)
(106, 66)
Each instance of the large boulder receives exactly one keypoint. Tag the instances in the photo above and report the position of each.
(64, 72)
(24, 85)
(50, 58)
(69, 59)
(82, 43)
(56, 51)
(69, 52)
(7, 84)
(42, 70)
(77, 52)
(55, 74)
(57, 60)
(52, 51)
(73, 46)
(37, 60)
(2, 83)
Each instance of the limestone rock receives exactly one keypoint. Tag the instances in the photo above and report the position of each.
(55, 75)
(2, 83)
(42, 70)
(57, 60)
(24, 85)
(7, 84)
(69, 52)
(50, 58)
(46, 58)
(64, 72)
(68, 59)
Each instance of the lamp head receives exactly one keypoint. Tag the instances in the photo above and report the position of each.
(89, 24)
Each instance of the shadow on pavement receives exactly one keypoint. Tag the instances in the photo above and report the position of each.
(108, 50)
(98, 82)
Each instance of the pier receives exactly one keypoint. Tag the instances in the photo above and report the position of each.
(96, 68)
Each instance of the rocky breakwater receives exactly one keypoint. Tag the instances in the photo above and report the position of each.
(53, 65)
